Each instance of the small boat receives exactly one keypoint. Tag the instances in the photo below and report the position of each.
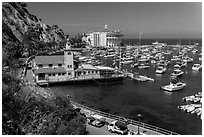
(174, 85)
(161, 69)
(176, 58)
(196, 67)
(189, 98)
(194, 51)
(127, 62)
(153, 61)
(176, 73)
(187, 59)
(134, 65)
(196, 110)
(143, 66)
(182, 64)
(141, 78)
(177, 66)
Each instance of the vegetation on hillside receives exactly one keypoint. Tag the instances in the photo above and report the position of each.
(23, 111)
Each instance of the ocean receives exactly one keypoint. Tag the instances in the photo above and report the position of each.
(131, 41)
(130, 98)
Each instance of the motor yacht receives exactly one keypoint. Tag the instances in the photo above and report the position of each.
(174, 85)
(196, 67)
(161, 69)
(176, 73)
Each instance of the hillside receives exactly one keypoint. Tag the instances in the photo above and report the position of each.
(21, 29)
(24, 111)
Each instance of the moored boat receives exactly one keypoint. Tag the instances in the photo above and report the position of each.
(143, 66)
(141, 78)
(176, 73)
(196, 67)
(161, 69)
(174, 85)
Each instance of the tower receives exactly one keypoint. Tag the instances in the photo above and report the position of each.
(69, 59)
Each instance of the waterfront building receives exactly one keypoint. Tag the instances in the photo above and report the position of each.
(65, 68)
(104, 38)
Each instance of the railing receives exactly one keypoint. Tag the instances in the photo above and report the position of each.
(132, 122)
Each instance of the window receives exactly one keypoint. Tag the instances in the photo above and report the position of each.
(59, 65)
(69, 73)
(69, 66)
(40, 65)
(50, 65)
(63, 74)
(69, 53)
(49, 74)
(53, 74)
(59, 74)
(41, 76)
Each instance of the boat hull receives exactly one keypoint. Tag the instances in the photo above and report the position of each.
(172, 88)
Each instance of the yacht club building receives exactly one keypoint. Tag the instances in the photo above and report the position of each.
(64, 68)
(104, 38)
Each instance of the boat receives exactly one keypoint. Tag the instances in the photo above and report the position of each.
(182, 64)
(143, 66)
(141, 78)
(196, 67)
(174, 85)
(177, 66)
(175, 58)
(194, 51)
(188, 59)
(161, 69)
(126, 62)
(134, 65)
(176, 73)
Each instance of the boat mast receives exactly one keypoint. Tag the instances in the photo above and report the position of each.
(120, 58)
(140, 37)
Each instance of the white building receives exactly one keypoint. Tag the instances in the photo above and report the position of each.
(104, 38)
(64, 68)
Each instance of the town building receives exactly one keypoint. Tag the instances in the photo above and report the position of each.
(64, 68)
(104, 38)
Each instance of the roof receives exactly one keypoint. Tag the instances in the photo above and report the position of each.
(104, 68)
(88, 67)
(50, 70)
(49, 59)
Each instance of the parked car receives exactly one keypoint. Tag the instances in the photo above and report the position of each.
(118, 127)
(96, 120)
(131, 132)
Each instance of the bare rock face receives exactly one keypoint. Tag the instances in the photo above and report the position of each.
(17, 23)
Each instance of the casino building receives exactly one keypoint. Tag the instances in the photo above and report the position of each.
(106, 38)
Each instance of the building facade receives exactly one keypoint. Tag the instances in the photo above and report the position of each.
(63, 68)
(105, 38)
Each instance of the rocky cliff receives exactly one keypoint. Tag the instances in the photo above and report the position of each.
(20, 28)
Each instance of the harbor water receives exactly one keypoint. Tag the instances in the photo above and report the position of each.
(130, 98)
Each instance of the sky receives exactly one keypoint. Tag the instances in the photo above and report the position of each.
(152, 19)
